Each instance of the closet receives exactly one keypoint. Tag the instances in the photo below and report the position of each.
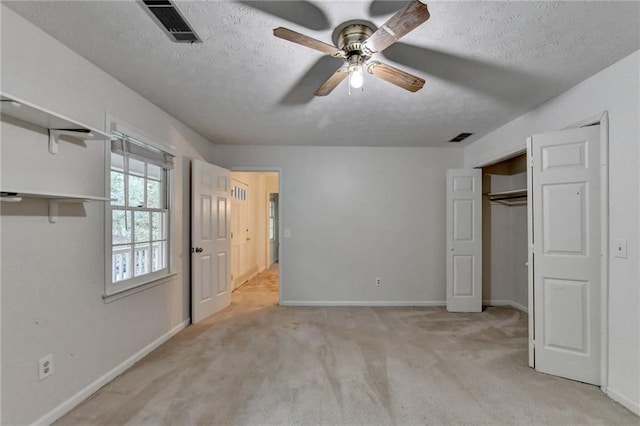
(504, 233)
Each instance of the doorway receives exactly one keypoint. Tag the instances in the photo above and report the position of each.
(254, 236)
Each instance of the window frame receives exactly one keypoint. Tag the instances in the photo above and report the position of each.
(118, 289)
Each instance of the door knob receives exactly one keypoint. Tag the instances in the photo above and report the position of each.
(199, 250)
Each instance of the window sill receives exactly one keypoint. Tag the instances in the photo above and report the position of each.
(107, 298)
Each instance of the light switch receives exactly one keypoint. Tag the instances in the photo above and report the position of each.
(620, 248)
(287, 233)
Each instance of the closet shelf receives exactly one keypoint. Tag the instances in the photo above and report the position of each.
(516, 197)
(54, 199)
(56, 124)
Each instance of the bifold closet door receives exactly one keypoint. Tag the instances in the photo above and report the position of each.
(464, 240)
(565, 252)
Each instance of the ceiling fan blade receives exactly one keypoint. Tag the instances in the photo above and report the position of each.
(400, 24)
(290, 35)
(395, 76)
(332, 82)
(300, 12)
(302, 91)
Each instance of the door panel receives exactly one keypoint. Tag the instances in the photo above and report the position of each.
(241, 240)
(464, 241)
(566, 252)
(210, 238)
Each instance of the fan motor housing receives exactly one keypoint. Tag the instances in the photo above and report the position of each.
(350, 38)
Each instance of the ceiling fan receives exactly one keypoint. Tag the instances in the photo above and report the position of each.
(357, 42)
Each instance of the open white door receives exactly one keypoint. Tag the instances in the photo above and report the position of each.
(565, 252)
(210, 229)
(464, 240)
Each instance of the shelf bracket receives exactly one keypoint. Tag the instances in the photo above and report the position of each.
(54, 135)
(54, 204)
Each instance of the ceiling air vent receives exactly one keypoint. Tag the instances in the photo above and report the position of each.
(171, 21)
(461, 137)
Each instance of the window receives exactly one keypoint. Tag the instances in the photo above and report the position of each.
(272, 220)
(139, 181)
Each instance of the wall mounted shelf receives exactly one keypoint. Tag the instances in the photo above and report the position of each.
(516, 197)
(56, 124)
(54, 199)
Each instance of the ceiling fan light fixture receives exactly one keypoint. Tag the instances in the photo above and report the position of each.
(356, 76)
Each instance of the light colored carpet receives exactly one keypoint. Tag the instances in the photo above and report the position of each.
(258, 363)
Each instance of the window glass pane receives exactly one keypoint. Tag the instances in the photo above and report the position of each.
(142, 259)
(136, 191)
(142, 226)
(136, 167)
(121, 263)
(154, 172)
(117, 162)
(271, 229)
(117, 188)
(159, 221)
(154, 194)
(121, 226)
(158, 260)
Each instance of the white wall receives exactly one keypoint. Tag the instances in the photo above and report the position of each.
(616, 90)
(356, 214)
(53, 274)
(505, 246)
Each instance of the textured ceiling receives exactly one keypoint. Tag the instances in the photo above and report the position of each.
(484, 62)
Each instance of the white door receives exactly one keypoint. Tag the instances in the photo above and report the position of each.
(464, 240)
(210, 228)
(565, 252)
(240, 232)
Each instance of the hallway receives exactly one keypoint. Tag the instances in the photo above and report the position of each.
(261, 290)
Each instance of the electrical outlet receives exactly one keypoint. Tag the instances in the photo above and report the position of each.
(378, 281)
(45, 367)
(620, 248)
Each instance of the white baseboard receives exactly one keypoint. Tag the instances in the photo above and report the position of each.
(501, 302)
(362, 303)
(76, 399)
(634, 407)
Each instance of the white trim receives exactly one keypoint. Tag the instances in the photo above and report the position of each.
(518, 306)
(108, 298)
(119, 125)
(604, 236)
(499, 159)
(530, 256)
(93, 387)
(504, 302)
(624, 401)
(372, 303)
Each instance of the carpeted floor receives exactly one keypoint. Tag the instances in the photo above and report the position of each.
(258, 363)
